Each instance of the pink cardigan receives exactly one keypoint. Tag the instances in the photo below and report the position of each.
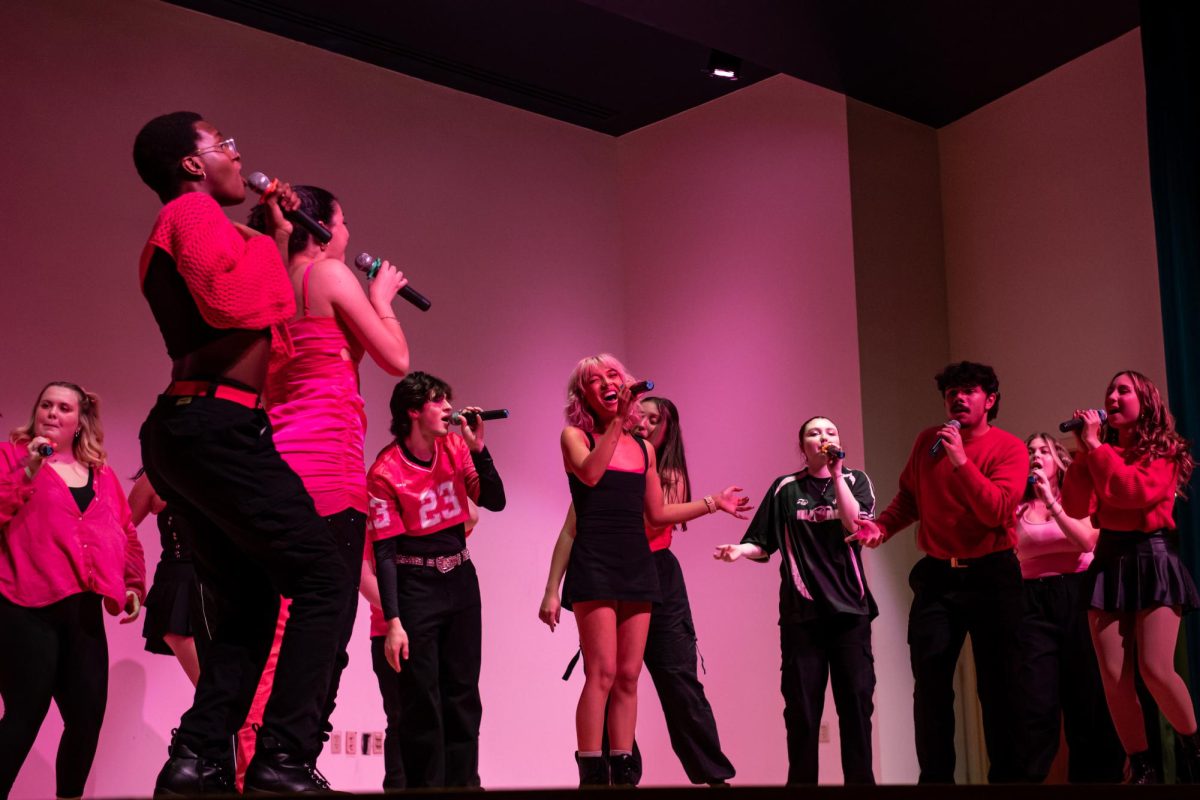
(49, 550)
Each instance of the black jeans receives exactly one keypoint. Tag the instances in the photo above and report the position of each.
(432, 705)
(58, 652)
(837, 650)
(1061, 684)
(256, 536)
(983, 599)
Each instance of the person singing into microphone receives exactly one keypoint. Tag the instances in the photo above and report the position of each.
(1059, 676)
(825, 607)
(312, 398)
(965, 493)
(216, 288)
(420, 489)
(671, 652)
(611, 579)
(67, 548)
(1127, 475)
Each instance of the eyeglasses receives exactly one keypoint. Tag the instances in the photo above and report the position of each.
(226, 146)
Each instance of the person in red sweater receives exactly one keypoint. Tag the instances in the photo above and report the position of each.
(1126, 475)
(963, 481)
(216, 288)
(67, 548)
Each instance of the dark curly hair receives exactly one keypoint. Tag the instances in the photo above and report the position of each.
(1154, 434)
(413, 392)
(315, 201)
(967, 375)
(159, 147)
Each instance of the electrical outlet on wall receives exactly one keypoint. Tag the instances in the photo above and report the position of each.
(351, 743)
(335, 743)
(376, 743)
(823, 733)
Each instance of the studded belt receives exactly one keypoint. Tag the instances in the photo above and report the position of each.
(442, 564)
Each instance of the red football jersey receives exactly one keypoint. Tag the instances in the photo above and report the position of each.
(411, 499)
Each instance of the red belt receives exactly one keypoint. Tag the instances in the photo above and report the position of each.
(243, 397)
(442, 563)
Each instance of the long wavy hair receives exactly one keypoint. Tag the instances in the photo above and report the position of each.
(1154, 434)
(578, 412)
(88, 446)
(672, 463)
(1062, 460)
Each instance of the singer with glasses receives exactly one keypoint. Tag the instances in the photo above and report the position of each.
(313, 400)
(1127, 474)
(825, 606)
(671, 650)
(216, 289)
(1059, 676)
(611, 580)
(963, 481)
(67, 548)
(428, 658)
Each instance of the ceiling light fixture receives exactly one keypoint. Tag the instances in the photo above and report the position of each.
(723, 66)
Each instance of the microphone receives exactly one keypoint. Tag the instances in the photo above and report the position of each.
(260, 183)
(459, 417)
(365, 262)
(1075, 424)
(641, 387)
(831, 450)
(937, 446)
(1031, 480)
(45, 450)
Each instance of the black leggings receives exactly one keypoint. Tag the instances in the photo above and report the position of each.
(56, 652)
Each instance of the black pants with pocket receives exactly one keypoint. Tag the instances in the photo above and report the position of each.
(256, 536)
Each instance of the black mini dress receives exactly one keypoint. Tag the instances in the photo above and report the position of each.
(173, 602)
(610, 559)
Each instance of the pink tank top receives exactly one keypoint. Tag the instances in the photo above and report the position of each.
(1044, 550)
(316, 410)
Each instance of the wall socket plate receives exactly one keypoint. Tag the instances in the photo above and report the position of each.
(351, 743)
(335, 743)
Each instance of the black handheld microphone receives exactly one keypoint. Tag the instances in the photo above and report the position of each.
(45, 450)
(831, 450)
(937, 446)
(641, 387)
(459, 417)
(260, 183)
(1075, 424)
(1032, 480)
(365, 262)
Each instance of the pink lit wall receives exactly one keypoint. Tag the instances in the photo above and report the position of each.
(1050, 258)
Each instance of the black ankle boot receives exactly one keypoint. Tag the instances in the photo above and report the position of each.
(274, 771)
(186, 773)
(593, 771)
(1142, 771)
(623, 769)
(1189, 771)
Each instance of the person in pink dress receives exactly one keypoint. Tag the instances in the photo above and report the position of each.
(313, 401)
(67, 548)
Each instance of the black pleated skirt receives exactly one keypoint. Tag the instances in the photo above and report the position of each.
(169, 604)
(1134, 570)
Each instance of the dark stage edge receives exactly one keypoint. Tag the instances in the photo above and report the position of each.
(905, 792)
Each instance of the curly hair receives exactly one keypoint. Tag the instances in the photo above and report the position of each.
(577, 411)
(968, 374)
(414, 391)
(1154, 434)
(88, 447)
(160, 145)
(1062, 460)
(316, 202)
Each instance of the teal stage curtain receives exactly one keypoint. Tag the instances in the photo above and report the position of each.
(1171, 54)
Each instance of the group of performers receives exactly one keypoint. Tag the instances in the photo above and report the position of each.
(1063, 568)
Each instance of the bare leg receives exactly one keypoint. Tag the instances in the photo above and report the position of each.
(1157, 631)
(1113, 635)
(633, 623)
(184, 648)
(597, 622)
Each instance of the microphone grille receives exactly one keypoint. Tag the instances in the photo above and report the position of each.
(953, 423)
(258, 182)
(364, 261)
